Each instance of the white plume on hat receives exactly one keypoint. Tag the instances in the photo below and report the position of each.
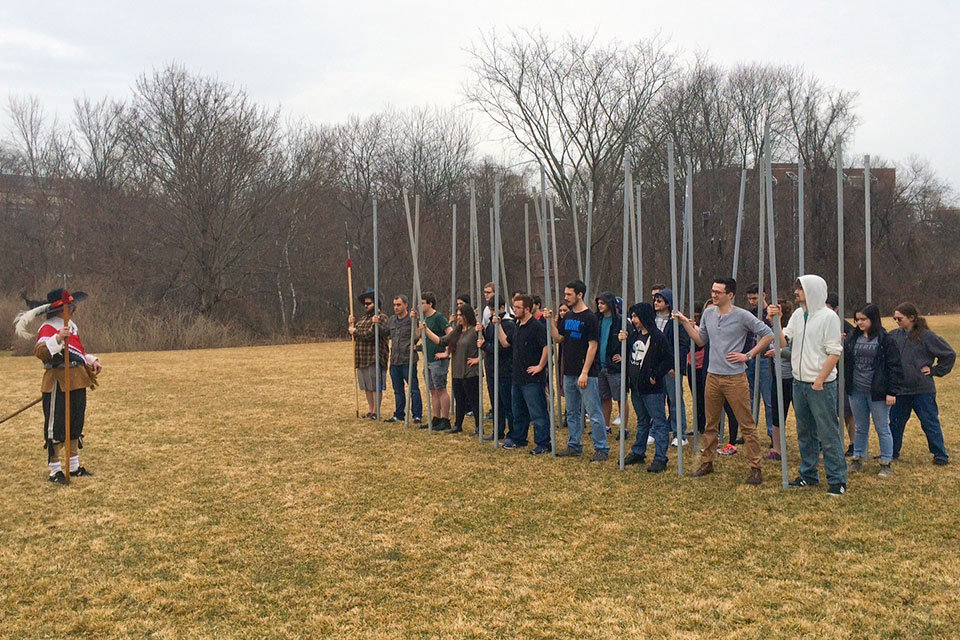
(24, 318)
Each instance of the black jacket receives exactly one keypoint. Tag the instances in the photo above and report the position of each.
(506, 353)
(684, 340)
(658, 359)
(887, 369)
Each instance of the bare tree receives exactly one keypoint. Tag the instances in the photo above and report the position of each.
(210, 159)
(574, 105)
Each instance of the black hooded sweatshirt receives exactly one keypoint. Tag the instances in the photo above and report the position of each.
(649, 355)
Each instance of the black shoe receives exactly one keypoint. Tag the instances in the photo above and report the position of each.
(739, 440)
(539, 450)
(941, 462)
(417, 421)
(58, 478)
(81, 471)
(456, 430)
(393, 419)
(626, 434)
(657, 466)
(837, 490)
(443, 425)
(799, 482)
(600, 456)
(632, 458)
(568, 453)
(510, 444)
(849, 451)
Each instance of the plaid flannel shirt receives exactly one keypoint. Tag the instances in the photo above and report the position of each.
(364, 343)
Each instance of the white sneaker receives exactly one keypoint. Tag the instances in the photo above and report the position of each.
(616, 421)
(650, 440)
(674, 443)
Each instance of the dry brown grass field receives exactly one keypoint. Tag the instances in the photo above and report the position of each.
(236, 495)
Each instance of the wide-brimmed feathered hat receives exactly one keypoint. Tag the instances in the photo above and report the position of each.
(53, 306)
(55, 300)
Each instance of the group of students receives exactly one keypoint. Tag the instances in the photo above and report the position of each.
(887, 375)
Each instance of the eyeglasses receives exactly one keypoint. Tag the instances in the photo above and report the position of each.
(714, 292)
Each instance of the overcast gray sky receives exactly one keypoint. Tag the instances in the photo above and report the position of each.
(327, 60)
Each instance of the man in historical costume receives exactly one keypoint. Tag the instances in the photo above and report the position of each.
(54, 340)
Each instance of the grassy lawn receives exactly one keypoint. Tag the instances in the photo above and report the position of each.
(237, 496)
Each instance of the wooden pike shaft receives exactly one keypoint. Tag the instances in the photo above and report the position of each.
(356, 382)
(21, 410)
(66, 389)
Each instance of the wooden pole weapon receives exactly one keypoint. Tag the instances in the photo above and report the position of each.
(66, 388)
(356, 382)
(21, 410)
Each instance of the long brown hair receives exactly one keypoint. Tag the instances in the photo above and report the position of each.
(466, 312)
(920, 325)
(786, 310)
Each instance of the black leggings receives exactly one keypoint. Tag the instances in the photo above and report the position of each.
(787, 398)
(466, 394)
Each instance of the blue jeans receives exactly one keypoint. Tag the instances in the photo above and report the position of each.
(590, 397)
(766, 395)
(818, 427)
(398, 377)
(925, 406)
(530, 405)
(668, 383)
(863, 407)
(651, 417)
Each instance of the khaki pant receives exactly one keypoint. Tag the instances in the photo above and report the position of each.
(735, 390)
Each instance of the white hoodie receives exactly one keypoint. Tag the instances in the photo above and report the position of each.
(815, 331)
